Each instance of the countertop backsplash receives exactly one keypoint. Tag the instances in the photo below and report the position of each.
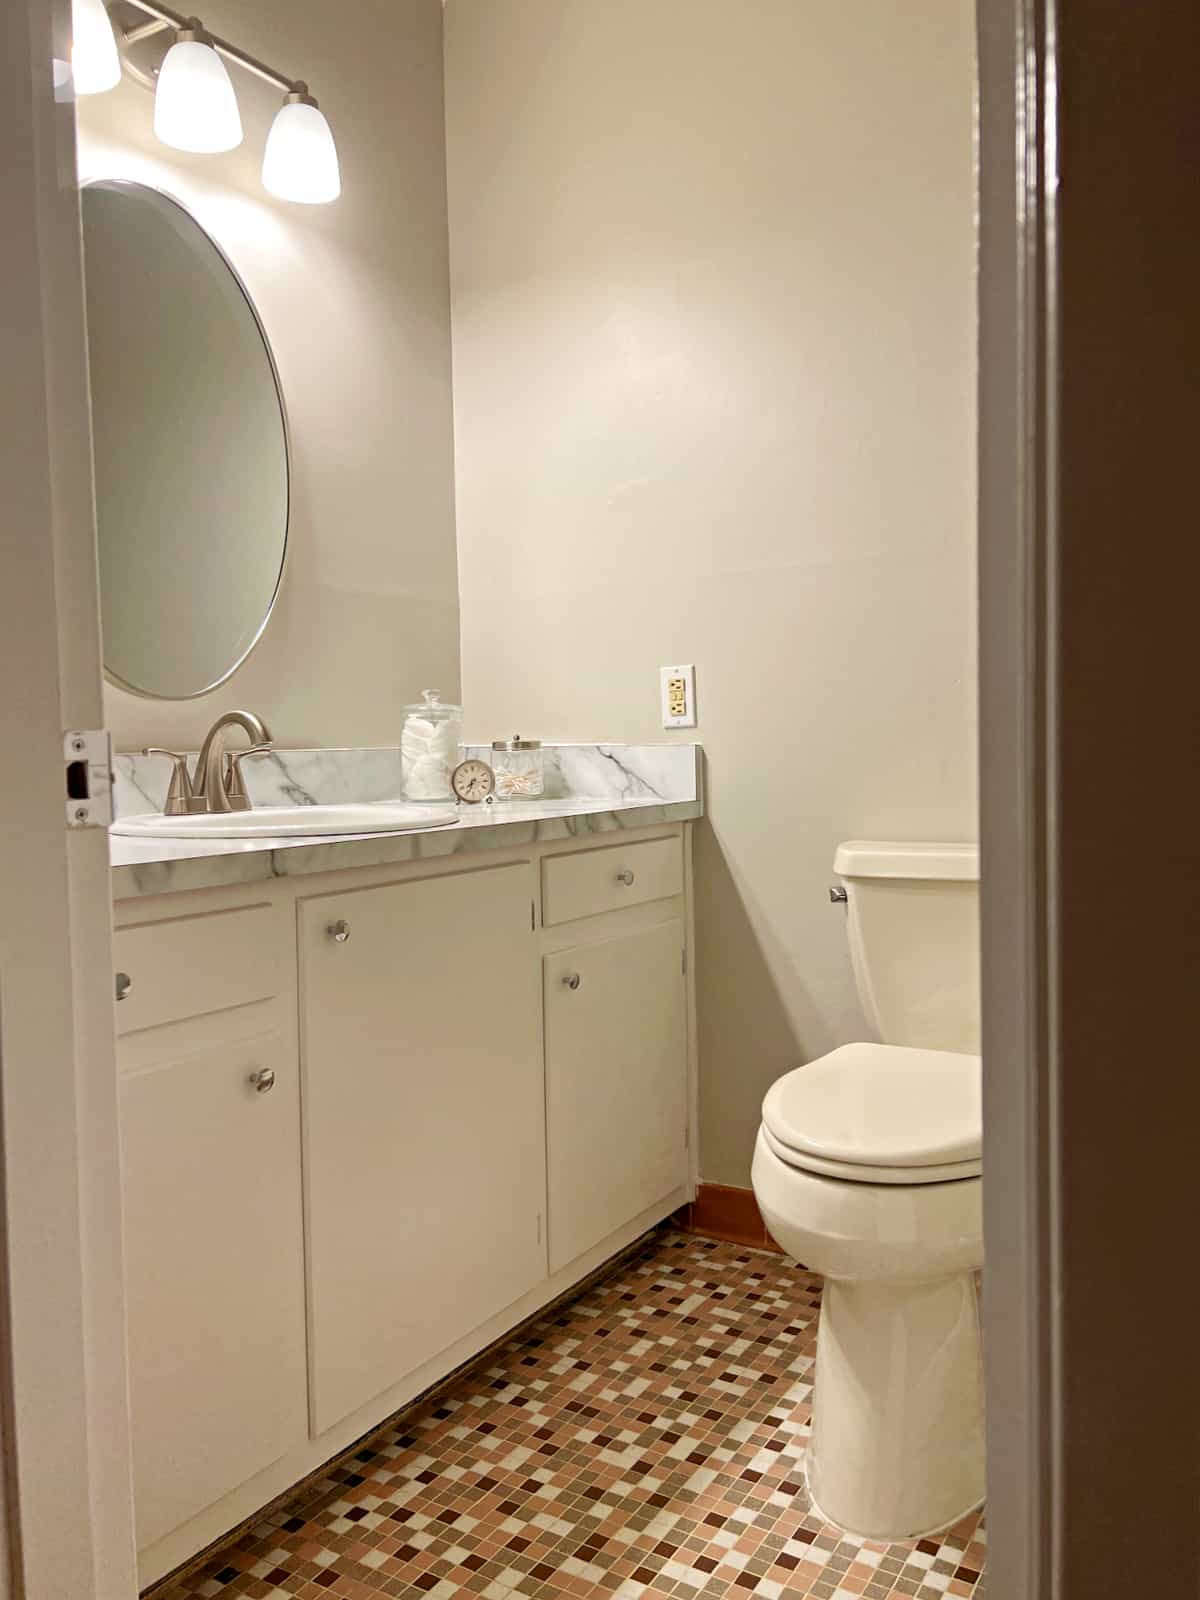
(668, 772)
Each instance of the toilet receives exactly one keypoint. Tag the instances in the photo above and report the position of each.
(867, 1170)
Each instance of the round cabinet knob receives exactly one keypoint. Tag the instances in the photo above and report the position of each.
(625, 876)
(339, 931)
(263, 1080)
(572, 980)
(123, 984)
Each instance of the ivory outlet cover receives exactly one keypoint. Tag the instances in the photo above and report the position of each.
(678, 696)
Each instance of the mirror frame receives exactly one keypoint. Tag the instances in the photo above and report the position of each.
(164, 194)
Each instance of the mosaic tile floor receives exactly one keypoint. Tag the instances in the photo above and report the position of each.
(644, 1440)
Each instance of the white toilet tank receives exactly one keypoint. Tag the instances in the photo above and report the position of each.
(914, 939)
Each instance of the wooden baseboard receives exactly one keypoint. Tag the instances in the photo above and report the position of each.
(720, 1211)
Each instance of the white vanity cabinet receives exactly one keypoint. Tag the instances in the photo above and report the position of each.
(614, 1000)
(424, 1121)
(372, 1119)
(616, 1082)
(210, 1130)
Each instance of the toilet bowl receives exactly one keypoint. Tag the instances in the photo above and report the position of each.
(867, 1170)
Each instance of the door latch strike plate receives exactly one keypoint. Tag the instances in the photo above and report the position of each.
(87, 777)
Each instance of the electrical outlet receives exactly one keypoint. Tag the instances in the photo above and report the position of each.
(678, 697)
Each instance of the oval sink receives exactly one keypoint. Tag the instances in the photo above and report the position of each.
(279, 822)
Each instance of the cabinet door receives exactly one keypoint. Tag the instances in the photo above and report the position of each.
(616, 1083)
(425, 1122)
(215, 1272)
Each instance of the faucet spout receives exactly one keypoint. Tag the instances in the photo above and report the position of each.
(210, 783)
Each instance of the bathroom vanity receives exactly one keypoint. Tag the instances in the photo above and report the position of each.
(379, 1104)
(383, 1094)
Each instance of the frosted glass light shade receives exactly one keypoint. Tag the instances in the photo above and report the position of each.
(95, 64)
(195, 107)
(300, 161)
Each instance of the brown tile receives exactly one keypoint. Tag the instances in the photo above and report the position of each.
(606, 1460)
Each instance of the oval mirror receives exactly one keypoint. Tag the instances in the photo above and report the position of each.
(191, 452)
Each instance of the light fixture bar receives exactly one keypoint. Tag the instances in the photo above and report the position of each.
(146, 31)
(165, 17)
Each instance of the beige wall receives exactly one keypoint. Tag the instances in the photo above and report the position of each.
(354, 297)
(712, 286)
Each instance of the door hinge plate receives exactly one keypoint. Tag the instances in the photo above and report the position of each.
(87, 777)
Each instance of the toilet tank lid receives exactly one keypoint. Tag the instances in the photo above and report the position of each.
(875, 858)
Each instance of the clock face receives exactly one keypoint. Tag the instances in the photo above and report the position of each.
(473, 781)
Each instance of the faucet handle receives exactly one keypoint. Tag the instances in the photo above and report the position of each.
(235, 785)
(180, 796)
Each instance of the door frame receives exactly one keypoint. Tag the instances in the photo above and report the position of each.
(1016, 390)
(68, 1514)
(1089, 571)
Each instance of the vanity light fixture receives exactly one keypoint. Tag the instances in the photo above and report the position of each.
(300, 161)
(95, 64)
(195, 107)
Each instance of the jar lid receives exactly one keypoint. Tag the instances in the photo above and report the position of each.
(433, 706)
(516, 743)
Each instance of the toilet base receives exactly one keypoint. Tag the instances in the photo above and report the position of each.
(897, 1447)
(917, 1533)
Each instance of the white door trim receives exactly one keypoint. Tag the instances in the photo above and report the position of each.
(68, 1503)
(1016, 353)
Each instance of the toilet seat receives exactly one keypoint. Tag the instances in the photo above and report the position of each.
(876, 1113)
(849, 1172)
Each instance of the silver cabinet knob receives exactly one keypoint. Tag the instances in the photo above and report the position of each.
(263, 1080)
(572, 980)
(625, 876)
(339, 931)
(123, 984)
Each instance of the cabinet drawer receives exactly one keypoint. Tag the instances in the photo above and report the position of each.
(187, 967)
(610, 878)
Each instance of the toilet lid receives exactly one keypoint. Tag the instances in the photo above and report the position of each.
(880, 1106)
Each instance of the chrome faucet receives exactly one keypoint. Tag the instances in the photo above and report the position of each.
(217, 785)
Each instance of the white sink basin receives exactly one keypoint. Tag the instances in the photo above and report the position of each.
(278, 822)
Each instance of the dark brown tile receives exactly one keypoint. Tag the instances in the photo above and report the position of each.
(595, 1399)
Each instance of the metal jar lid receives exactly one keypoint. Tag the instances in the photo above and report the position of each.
(516, 743)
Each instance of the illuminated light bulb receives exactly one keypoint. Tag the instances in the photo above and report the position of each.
(195, 107)
(95, 64)
(301, 161)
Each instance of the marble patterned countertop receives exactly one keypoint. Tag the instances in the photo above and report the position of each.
(590, 789)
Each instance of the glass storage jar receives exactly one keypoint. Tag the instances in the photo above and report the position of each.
(429, 747)
(519, 769)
